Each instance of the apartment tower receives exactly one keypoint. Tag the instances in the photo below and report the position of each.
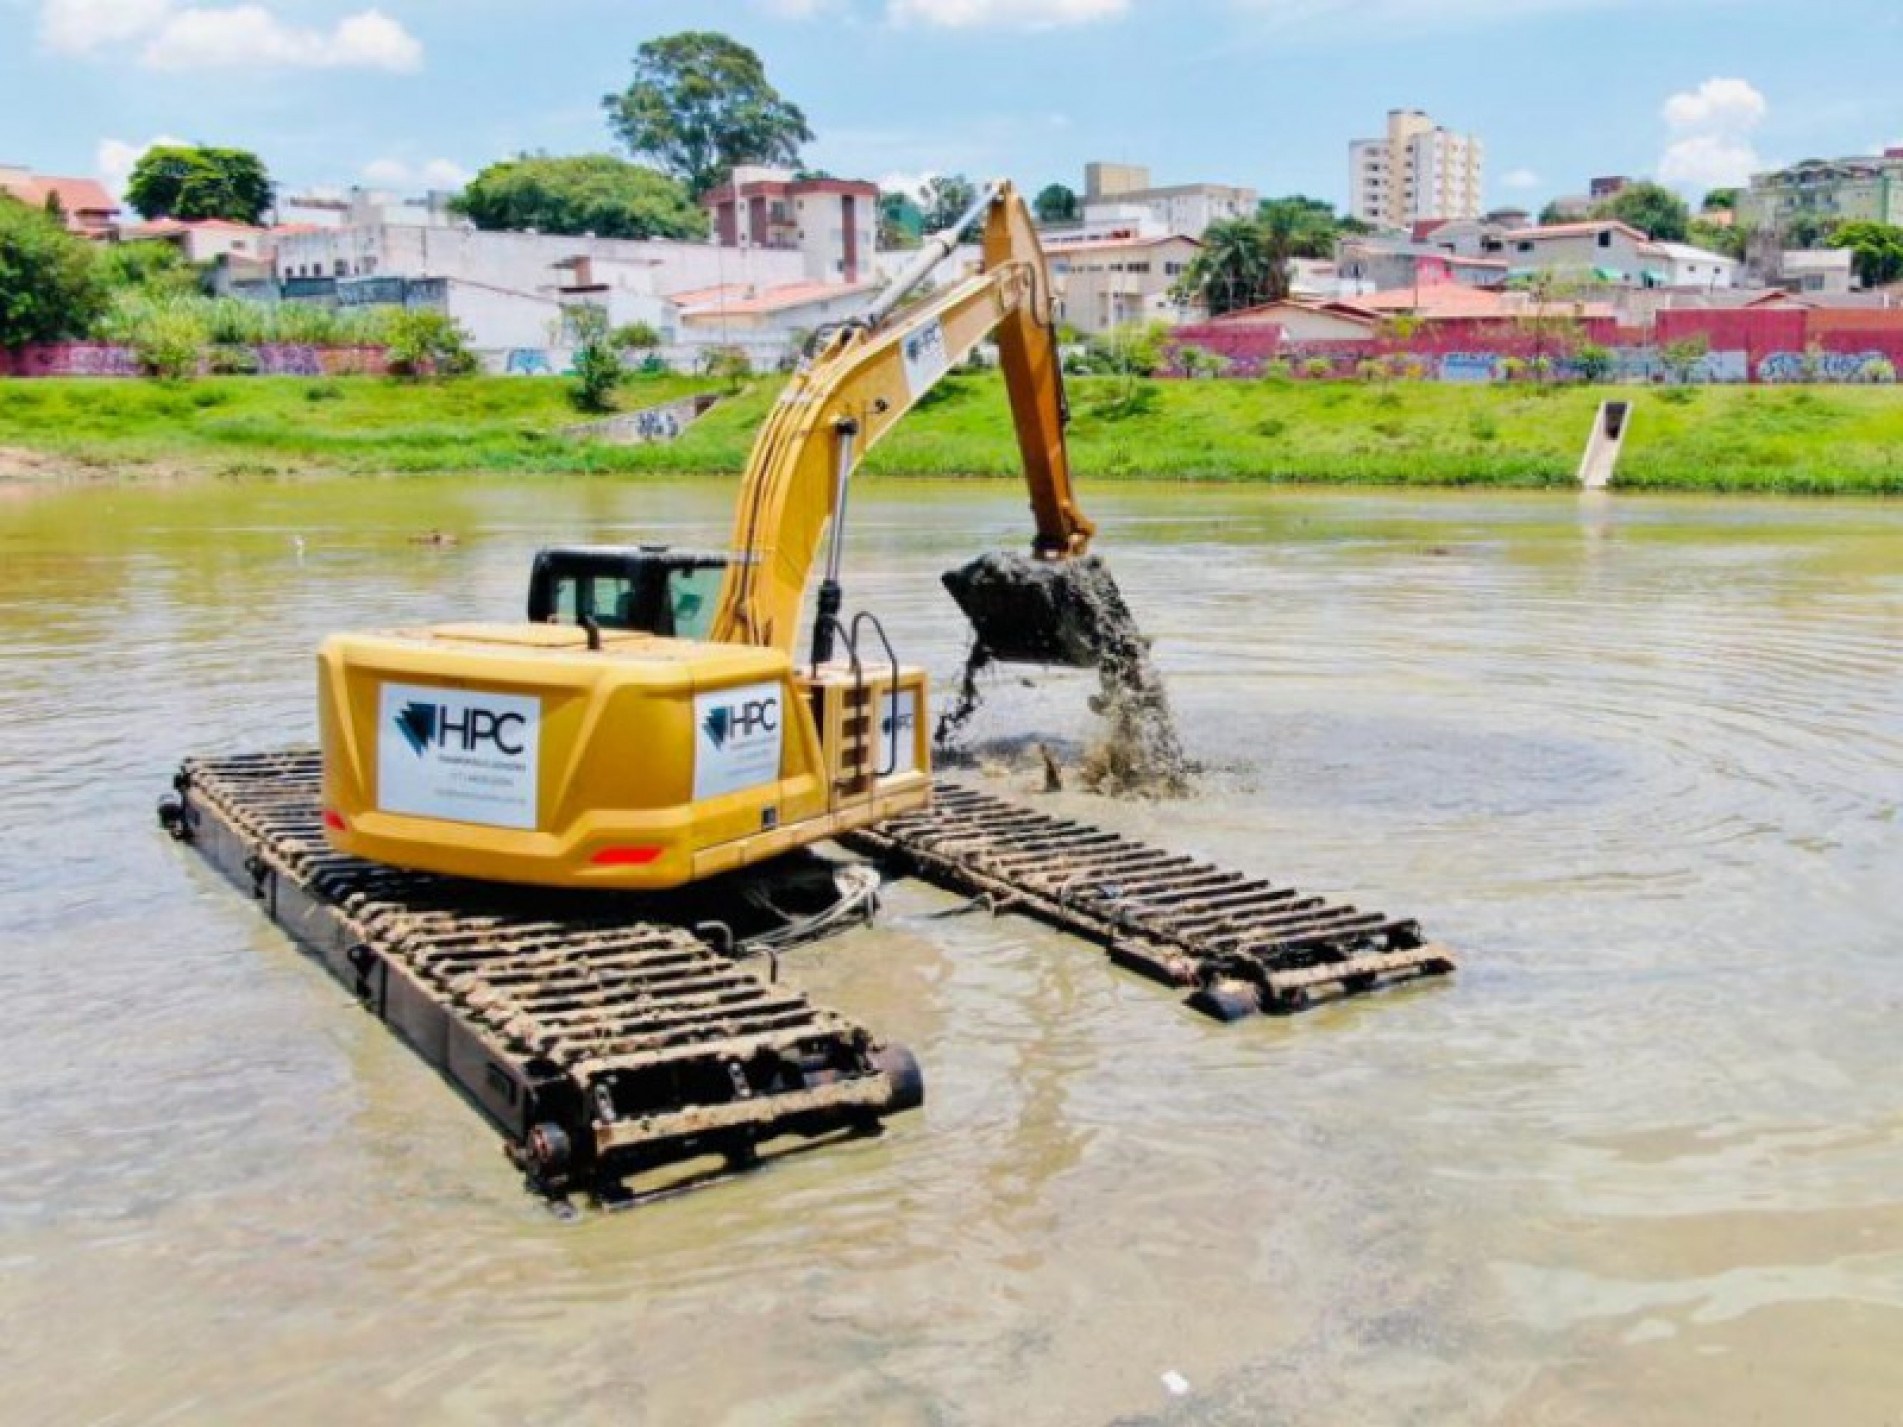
(1419, 171)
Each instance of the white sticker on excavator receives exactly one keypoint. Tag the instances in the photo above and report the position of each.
(898, 733)
(737, 737)
(458, 754)
(925, 358)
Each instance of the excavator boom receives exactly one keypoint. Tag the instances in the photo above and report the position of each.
(867, 375)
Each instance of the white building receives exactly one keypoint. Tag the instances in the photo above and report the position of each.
(1686, 266)
(1114, 192)
(1816, 272)
(511, 289)
(831, 222)
(1419, 171)
(1103, 285)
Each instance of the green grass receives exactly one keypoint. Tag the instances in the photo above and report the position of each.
(1823, 440)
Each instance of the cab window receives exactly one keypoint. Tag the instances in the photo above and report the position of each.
(608, 599)
(692, 596)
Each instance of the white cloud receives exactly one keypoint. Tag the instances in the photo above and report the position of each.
(1725, 106)
(250, 36)
(1712, 127)
(1520, 178)
(82, 26)
(912, 185)
(1016, 14)
(116, 158)
(395, 173)
(1706, 161)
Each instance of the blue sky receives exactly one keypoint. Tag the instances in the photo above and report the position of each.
(1261, 92)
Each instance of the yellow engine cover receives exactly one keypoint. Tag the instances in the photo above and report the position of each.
(515, 753)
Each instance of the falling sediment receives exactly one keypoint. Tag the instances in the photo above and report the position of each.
(1071, 612)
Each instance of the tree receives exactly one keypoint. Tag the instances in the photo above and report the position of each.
(423, 342)
(1876, 251)
(599, 369)
(946, 199)
(1653, 209)
(699, 104)
(1810, 230)
(150, 267)
(901, 221)
(50, 286)
(1720, 200)
(193, 183)
(590, 193)
(1056, 204)
(1237, 268)
(1681, 358)
(1300, 227)
(1728, 239)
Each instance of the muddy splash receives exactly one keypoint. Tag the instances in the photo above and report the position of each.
(1071, 612)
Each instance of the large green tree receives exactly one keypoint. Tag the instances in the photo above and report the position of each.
(50, 288)
(1057, 204)
(1238, 267)
(1652, 208)
(1876, 251)
(196, 182)
(590, 193)
(700, 103)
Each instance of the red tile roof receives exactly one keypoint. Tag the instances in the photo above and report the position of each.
(737, 299)
(1577, 230)
(164, 227)
(76, 195)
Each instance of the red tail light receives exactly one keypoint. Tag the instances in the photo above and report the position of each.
(334, 820)
(627, 856)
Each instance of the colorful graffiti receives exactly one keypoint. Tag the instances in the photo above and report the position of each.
(1816, 366)
(1469, 367)
(274, 359)
(283, 359)
(527, 362)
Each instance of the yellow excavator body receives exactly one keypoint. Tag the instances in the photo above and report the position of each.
(592, 750)
(517, 753)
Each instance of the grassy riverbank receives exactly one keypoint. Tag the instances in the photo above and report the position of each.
(1822, 440)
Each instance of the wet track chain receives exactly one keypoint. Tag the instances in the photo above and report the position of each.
(604, 1045)
(1242, 944)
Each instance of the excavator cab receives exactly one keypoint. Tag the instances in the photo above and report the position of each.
(648, 589)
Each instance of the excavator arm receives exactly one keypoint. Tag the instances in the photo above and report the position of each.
(866, 376)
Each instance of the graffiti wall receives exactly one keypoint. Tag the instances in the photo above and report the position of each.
(274, 359)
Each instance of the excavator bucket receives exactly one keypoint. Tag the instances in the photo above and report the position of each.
(1027, 611)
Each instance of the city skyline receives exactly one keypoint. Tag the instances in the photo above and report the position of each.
(1264, 93)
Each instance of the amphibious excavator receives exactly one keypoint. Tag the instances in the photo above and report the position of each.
(534, 849)
(643, 733)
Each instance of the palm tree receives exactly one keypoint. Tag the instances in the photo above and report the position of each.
(1237, 268)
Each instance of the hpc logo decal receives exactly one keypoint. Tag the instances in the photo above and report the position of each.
(738, 739)
(470, 729)
(461, 755)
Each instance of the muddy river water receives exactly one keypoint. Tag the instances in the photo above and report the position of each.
(1642, 1162)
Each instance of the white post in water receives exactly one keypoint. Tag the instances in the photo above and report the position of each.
(1601, 460)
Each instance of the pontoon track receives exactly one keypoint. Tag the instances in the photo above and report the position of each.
(1242, 944)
